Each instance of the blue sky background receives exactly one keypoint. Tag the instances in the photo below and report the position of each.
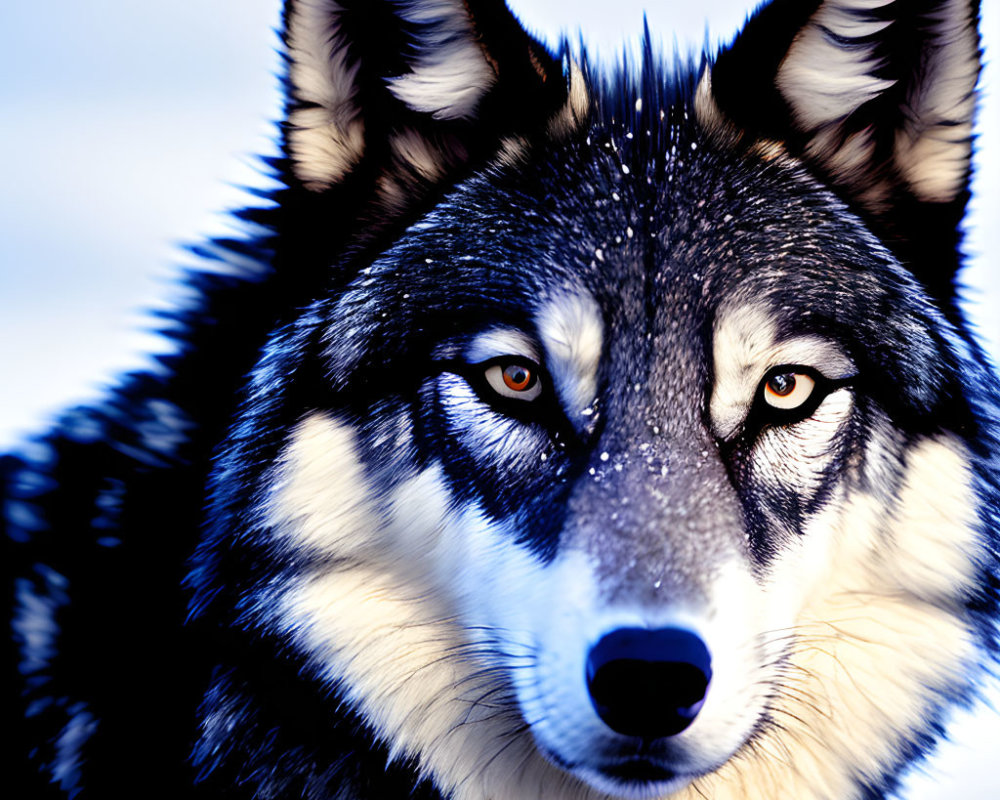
(127, 127)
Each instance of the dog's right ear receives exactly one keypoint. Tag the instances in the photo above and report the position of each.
(391, 98)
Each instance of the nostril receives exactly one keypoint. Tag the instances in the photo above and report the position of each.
(648, 683)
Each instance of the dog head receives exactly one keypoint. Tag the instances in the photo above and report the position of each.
(631, 447)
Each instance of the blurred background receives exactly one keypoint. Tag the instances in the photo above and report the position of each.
(128, 128)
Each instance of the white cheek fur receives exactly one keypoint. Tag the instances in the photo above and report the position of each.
(430, 613)
(800, 455)
(491, 436)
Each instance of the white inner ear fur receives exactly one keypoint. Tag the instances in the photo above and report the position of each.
(448, 78)
(716, 124)
(327, 139)
(572, 331)
(413, 149)
(451, 73)
(745, 345)
(574, 111)
(824, 82)
(934, 148)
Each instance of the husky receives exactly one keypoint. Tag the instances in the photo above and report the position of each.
(554, 432)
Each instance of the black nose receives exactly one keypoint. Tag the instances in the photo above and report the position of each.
(648, 683)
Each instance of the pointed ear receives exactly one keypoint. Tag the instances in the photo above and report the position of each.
(391, 98)
(878, 97)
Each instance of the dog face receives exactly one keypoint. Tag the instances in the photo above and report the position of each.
(587, 479)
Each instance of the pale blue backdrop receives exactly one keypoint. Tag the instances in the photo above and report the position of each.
(126, 128)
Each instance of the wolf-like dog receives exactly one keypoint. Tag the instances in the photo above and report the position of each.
(554, 432)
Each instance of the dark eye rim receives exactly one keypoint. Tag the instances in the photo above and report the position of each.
(763, 415)
(543, 409)
(539, 377)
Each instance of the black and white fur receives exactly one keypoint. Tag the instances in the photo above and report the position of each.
(393, 574)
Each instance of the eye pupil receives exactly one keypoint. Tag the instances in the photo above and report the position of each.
(782, 385)
(517, 377)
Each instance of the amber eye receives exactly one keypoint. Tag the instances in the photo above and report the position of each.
(788, 390)
(514, 379)
(518, 377)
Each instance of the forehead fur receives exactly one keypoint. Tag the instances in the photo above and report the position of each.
(644, 216)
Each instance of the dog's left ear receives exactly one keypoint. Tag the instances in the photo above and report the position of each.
(878, 97)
